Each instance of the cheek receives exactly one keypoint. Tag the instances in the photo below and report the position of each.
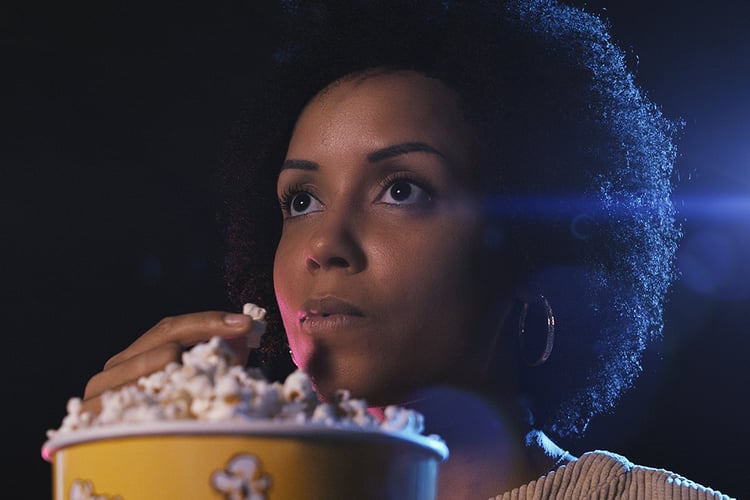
(286, 280)
(435, 264)
(287, 263)
(433, 284)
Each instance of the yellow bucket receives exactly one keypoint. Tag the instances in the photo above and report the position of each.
(242, 460)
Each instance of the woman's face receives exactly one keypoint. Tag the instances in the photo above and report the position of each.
(376, 273)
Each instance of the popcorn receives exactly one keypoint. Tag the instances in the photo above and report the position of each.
(259, 324)
(206, 387)
(399, 419)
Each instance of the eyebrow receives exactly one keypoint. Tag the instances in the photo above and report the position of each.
(299, 165)
(374, 157)
(402, 149)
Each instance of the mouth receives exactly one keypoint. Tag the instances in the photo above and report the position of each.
(326, 315)
(327, 307)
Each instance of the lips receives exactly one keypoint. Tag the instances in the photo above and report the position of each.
(327, 306)
(326, 314)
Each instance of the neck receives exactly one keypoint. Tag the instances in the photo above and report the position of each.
(489, 450)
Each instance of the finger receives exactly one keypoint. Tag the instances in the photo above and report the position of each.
(130, 370)
(186, 330)
(94, 404)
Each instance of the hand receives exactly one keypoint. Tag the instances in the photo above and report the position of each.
(163, 344)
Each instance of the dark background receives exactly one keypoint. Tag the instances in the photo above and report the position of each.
(112, 118)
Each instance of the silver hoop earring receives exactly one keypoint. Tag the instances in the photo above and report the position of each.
(550, 340)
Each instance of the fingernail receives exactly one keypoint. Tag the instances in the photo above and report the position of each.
(236, 319)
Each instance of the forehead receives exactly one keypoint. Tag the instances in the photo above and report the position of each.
(378, 110)
(402, 84)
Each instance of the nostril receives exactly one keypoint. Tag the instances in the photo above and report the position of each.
(337, 262)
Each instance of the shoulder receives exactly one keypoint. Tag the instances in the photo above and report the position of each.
(605, 475)
(614, 476)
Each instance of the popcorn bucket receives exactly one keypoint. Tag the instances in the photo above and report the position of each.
(242, 460)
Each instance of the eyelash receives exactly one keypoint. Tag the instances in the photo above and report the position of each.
(288, 194)
(391, 179)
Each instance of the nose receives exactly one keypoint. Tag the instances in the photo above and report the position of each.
(335, 244)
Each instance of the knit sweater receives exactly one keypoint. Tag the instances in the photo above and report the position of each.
(601, 475)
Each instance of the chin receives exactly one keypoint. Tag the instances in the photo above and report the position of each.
(358, 388)
(363, 378)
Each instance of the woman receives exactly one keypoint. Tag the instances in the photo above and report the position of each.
(475, 222)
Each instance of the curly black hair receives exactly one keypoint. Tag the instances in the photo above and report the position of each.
(576, 168)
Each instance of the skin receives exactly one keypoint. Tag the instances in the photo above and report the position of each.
(377, 274)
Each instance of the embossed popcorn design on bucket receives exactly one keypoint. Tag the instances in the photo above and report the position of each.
(243, 479)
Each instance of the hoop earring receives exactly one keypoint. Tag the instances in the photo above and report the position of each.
(550, 340)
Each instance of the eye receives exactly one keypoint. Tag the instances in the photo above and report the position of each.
(300, 203)
(404, 192)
